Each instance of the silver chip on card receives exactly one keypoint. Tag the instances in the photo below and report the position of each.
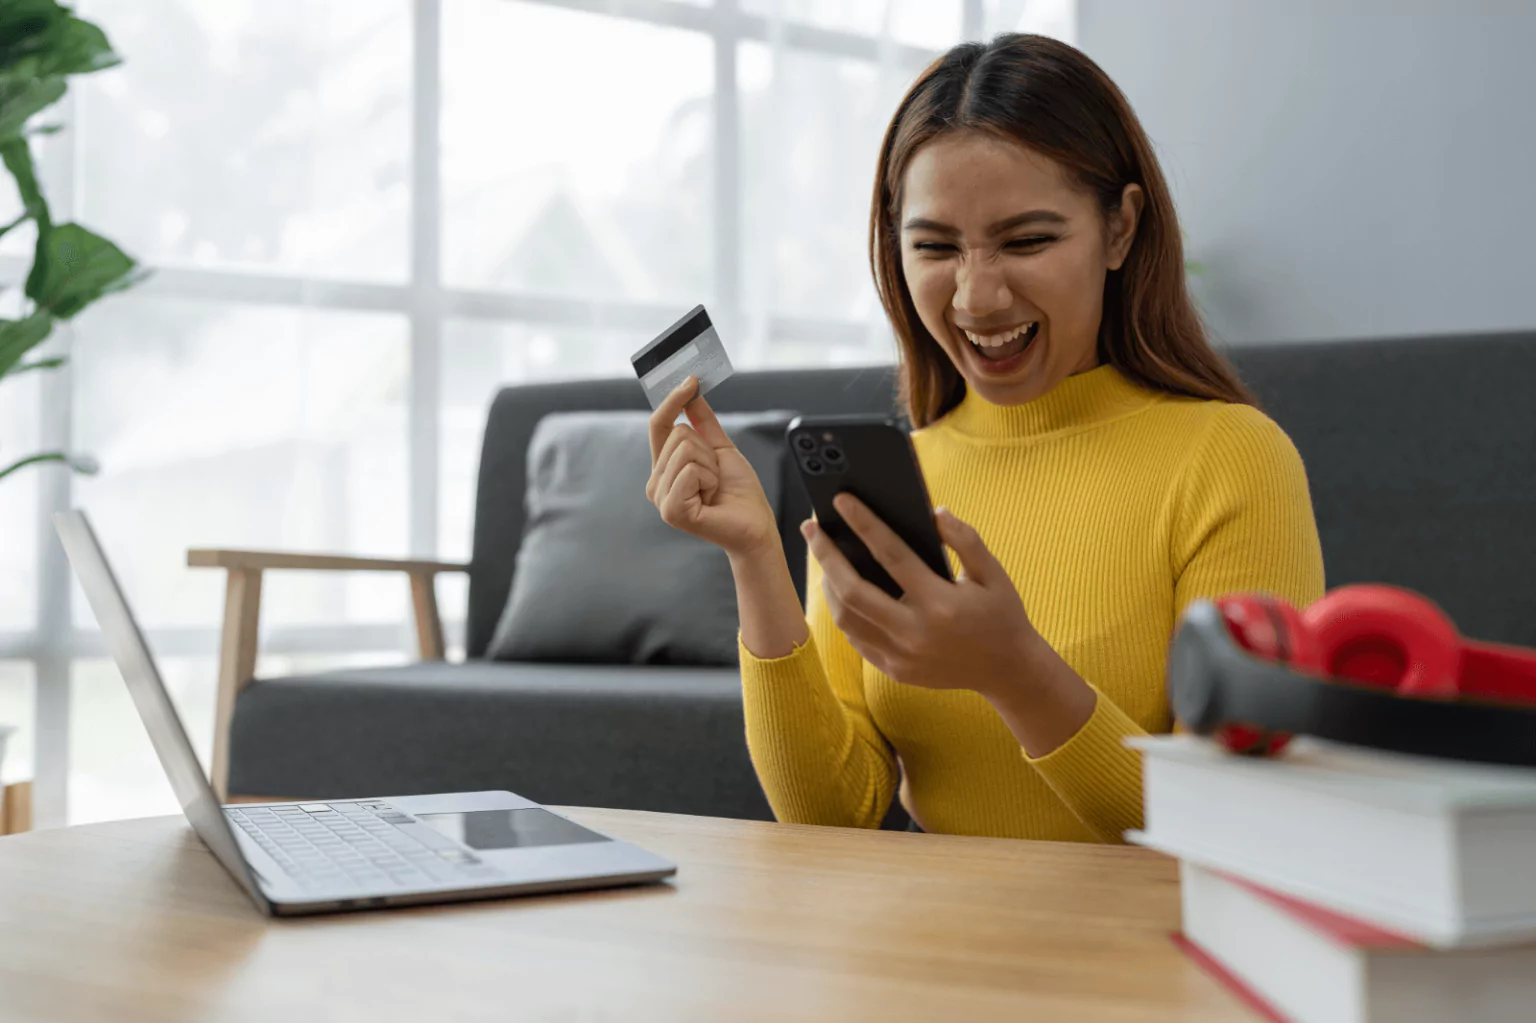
(690, 345)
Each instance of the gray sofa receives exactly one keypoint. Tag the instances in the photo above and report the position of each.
(1421, 454)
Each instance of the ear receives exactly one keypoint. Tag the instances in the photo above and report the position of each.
(1122, 226)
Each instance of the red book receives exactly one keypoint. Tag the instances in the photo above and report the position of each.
(1294, 962)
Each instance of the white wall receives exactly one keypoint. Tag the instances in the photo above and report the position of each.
(1342, 167)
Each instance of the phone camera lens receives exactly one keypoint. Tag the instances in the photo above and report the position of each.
(814, 465)
(833, 455)
(805, 442)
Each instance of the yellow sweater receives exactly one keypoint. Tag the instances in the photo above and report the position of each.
(1112, 507)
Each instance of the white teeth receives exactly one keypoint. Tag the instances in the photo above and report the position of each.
(997, 340)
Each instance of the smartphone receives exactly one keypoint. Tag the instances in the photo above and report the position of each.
(872, 458)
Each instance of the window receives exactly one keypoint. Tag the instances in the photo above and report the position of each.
(576, 154)
(364, 217)
(270, 136)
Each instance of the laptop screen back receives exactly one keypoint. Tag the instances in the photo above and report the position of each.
(150, 697)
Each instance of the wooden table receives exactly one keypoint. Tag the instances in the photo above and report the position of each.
(134, 920)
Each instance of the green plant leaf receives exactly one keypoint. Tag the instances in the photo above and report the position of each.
(22, 463)
(18, 337)
(19, 101)
(17, 155)
(53, 363)
(83, 464)
(44, 129)
(15, 223)
(41, 42)
(74, 267)
(41, 38)
(24, 27)
(78, 48)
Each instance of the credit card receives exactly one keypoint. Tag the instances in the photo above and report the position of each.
(690, 345)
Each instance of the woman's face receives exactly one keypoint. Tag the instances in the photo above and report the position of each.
(1005, 258)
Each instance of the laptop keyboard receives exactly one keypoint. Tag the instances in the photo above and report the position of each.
(350, 846)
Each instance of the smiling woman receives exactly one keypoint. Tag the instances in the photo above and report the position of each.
(1012, 184)
(1099, 465)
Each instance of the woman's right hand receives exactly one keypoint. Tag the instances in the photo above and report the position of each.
(701, 483)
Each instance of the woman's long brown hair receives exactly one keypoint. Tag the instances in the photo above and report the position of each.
(1053, 99)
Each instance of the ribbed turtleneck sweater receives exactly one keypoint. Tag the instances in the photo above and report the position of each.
(1111, 506)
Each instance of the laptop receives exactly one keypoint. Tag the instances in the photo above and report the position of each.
(348, 854)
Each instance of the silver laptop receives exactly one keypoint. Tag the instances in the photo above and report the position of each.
(353, 853)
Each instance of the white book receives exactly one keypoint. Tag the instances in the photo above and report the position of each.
(1296, 963)
(1442, 851)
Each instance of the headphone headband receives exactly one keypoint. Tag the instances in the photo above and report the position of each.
(1214, 682)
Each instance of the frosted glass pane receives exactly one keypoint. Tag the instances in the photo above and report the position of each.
(1054, 18)
(19, 396)
(931, 23)
(224, 425)
(270, 134)
(18, 686)
(113, 770)
(576, 154)
(811, 138)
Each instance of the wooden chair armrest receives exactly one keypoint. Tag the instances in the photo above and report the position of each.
(242, 619)
(16, 808)
(262, 560)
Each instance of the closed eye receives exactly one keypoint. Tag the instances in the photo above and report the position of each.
(1031, 243)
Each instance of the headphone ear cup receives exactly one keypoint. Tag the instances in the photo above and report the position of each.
(1301, 648)
(1251, 624)
(1269, 628)
(1251, 740)
(1386, 636)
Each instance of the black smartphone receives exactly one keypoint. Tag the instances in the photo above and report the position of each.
(872, 458)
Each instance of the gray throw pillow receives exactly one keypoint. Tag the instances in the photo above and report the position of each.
(599, 576)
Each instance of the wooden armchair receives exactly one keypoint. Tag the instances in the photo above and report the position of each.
(242, 616)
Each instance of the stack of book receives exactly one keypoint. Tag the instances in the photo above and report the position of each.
(1339, 884)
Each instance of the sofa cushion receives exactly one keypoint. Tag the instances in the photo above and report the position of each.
(600, 577)
(499, 490)
(633, 737)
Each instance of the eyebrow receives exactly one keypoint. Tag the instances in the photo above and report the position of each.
(1007, 224)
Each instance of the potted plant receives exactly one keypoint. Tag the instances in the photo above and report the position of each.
(42, 43)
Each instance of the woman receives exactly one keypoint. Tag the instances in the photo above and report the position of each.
(1100, 467)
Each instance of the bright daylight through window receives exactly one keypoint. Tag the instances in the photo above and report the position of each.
(363, 217)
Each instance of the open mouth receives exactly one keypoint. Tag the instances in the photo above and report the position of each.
(1003, 347)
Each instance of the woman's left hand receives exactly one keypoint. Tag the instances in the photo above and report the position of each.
(970, 634)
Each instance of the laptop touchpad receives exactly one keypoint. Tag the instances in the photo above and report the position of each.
(509, 829)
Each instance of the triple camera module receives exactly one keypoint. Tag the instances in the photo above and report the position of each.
(819, 454)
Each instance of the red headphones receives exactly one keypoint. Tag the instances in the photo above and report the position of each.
(1371, 664)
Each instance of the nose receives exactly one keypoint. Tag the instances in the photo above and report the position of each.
(981, 290)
